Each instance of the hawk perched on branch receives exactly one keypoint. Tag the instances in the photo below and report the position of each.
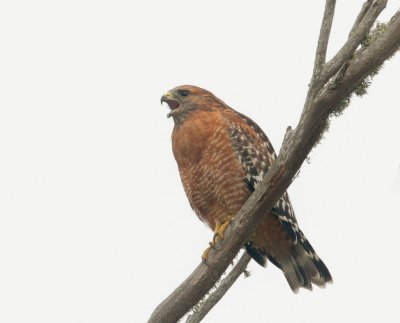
(222, 156)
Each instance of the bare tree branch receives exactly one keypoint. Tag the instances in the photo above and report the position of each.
(369, 58)
(362, 25)
(323, 39)
(361, 15)
(294, 151)
(320, 55)
(360, 29)
(221, 290)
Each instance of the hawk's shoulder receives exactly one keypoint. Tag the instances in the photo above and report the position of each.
(256, 154)
(251, 145)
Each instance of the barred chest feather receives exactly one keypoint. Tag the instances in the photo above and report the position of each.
(212, 177)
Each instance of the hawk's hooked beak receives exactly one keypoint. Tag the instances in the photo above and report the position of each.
(171, 101)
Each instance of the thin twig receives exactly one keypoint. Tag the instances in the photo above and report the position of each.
(323, 38)
(362, 25)
(361, 15)
(222, 288)
(320, 55)
(361, 28)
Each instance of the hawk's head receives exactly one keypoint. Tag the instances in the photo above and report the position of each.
(184, 99)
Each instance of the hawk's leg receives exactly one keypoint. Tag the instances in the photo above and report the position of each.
(219, 232)
(204, 255)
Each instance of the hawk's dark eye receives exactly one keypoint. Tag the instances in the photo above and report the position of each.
(183, 92)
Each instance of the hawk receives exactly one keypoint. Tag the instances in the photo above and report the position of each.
(222, 156)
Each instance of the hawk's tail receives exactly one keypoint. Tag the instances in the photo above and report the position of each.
(300, 264)
(302, 267)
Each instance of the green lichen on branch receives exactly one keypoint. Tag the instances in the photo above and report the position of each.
(361, 88)
(324, 129)
(344, 103)
(197, 307)
(377, 31)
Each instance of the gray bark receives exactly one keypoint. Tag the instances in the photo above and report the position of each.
(221, 290)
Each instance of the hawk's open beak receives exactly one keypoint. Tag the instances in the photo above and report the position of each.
(172, 103)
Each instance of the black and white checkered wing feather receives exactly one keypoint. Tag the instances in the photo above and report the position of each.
(256, 154)
(301, 266)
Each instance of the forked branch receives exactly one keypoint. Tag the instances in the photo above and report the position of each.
(362, 26)
(323, 38)
(320, 103)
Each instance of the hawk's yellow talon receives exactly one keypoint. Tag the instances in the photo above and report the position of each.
(219, 232)
(205, 254)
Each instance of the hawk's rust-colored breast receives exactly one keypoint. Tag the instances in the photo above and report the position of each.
(212, 176)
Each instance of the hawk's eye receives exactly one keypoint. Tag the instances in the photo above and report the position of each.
(183, 92)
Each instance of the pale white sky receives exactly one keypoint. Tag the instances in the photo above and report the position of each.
(94, 223)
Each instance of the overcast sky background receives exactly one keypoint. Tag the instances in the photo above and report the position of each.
(94, 223)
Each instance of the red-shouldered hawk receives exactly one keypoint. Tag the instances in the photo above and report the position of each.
(222, 156)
